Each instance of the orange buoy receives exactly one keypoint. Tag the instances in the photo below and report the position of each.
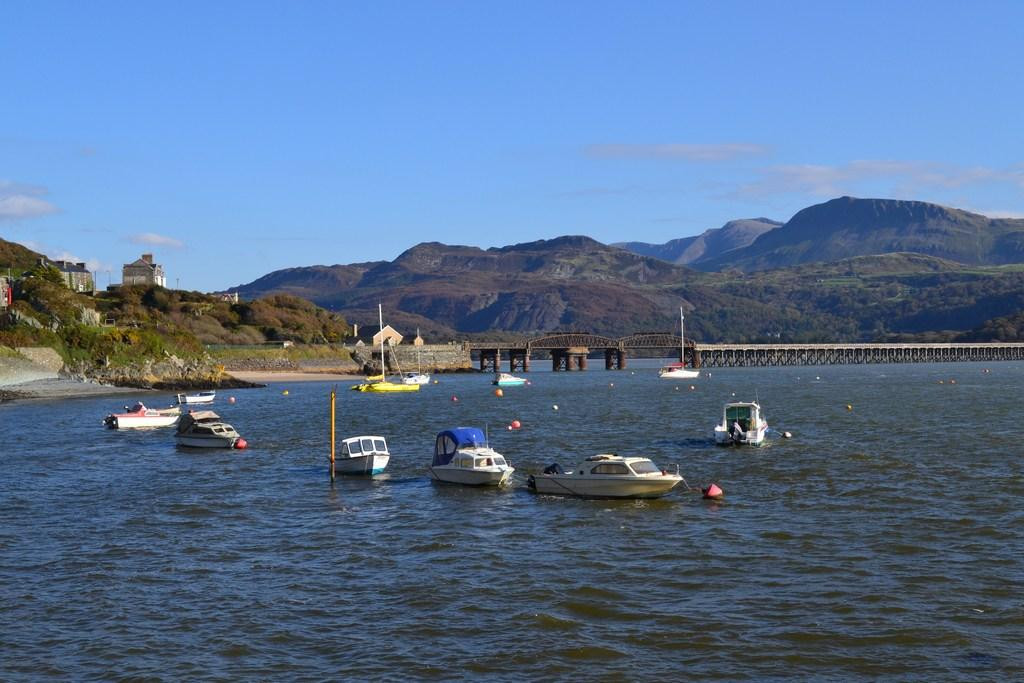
(712, 492)
(498, 392)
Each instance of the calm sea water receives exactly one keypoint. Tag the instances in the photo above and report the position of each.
(882, 542)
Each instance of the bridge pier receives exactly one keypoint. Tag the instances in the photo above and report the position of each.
(490, 360)
(614, 359)
(518, 359)
(559, 360)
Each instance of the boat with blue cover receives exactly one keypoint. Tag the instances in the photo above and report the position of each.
(462, 456)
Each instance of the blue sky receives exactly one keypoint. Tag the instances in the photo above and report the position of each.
(232, 139)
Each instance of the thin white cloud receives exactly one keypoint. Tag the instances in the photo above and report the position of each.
(682, 152)
(61, 254)
(19, 201)
(908, 177)
(151, 239)
(997, 213)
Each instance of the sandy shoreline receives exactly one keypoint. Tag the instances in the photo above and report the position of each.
(271, 377)
(60, 389)
(53, 388)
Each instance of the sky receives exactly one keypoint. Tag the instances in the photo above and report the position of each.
(232, 139)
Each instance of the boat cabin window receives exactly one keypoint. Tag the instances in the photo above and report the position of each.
(380, 446)
(464, 461)
(445, 444)
(610, 468)
(366, 445)
(484, 462)
(499, 461)
(645, 467)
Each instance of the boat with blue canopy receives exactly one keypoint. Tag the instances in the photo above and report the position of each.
(463, 456)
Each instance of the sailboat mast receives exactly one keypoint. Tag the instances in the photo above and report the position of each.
(682, 337)
(383, 362)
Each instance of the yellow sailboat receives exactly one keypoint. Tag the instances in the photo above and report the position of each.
(377, 383)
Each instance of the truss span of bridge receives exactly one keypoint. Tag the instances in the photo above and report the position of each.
(570, 351)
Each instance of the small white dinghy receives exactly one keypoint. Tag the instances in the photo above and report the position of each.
(197, 398)
(362, 455)
(462, 456)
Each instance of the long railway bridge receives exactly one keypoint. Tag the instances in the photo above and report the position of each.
(570, 351)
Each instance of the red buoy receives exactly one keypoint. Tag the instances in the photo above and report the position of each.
(455, 399)
(712, 492)
(515, 424)
(241, 444)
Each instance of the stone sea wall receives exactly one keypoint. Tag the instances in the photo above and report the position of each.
(431, 357)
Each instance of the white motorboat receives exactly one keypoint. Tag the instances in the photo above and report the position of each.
(462, 456)
(205, 429)
(505, 379)
(742, 423)
(362, 455)
(197, 398)
(139, 416)
(679, 370)
(607, 476)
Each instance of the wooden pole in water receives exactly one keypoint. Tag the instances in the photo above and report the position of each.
(333, 395)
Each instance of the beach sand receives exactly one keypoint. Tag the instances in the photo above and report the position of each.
(274, 377)
(53, 388)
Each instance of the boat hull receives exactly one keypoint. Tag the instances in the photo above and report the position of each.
(361, 464)
(585, 487)
(416, 379)
(196, 399)
(678, 374)
(471, 477)
(749, 438)
(385, 387)
(212, 441)
(149, 422)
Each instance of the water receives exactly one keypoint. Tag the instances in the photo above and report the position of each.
(884, 541)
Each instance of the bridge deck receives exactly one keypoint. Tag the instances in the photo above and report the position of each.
(751, 355)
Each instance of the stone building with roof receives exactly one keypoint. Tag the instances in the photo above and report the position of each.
(76, 276)
(143, 271)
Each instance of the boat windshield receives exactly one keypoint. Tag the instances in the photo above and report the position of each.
(499, 461)
(610, 468)
(644, 467)
(380, 446)
(367, 445)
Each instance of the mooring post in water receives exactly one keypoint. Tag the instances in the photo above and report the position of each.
(333, 395)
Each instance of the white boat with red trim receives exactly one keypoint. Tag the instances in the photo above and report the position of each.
(139, 416)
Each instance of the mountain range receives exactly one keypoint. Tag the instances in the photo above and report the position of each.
(709, 245)
(849, 269)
